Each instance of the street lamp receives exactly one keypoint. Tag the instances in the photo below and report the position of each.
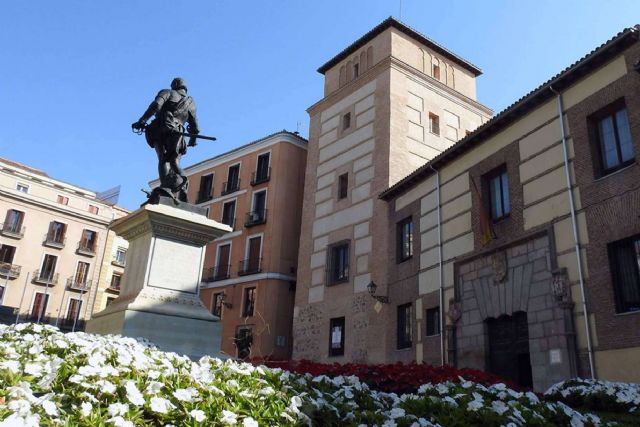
(223, 299)
(372, 287)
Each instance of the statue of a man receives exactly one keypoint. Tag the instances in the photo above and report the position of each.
(172, 109)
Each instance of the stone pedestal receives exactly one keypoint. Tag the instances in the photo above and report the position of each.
(159, 291)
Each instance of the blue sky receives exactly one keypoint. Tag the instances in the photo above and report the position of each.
(74, 75)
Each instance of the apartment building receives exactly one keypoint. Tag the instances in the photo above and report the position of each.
(249, 276)
(393, 100)
(517, 250)
(52, 247)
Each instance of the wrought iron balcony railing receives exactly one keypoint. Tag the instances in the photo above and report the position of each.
(250, 266)
(255, 218)
(213, 274)
(258, 177)
(230, 187)
(78, 285)
(9, 271)
(85, 249)
(12, 230)
(54, 240)
(48, 278)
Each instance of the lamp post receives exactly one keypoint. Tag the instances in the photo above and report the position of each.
(372, 287)
(223, 299)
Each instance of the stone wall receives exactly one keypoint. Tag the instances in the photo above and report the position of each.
(517, 278)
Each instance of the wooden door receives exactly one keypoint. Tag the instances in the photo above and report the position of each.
(509, 348)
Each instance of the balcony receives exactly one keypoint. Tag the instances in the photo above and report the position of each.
(259, 177)
(78, 285)
(114, 288)
(204, 197)
(15, 231)
(250, 266)
(9, 271)
(214, 274)
(87, 250)
(48, 278)
(230, 187)
(53, 240)
(118, 262)
(255, 218)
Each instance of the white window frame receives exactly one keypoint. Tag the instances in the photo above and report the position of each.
(33, 301)
(246, 245)
(66, 311)
(253, 199)
(262, 154)
(44, 254)
(235, 208)
(230, 244)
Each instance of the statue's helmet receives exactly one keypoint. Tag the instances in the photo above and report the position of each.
(178, 83)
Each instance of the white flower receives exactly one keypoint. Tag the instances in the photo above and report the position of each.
(229, 417)
(397, 413)
(121, 422)
(116, 409)
(34, 369)
(249, 422)
(161, 405)
(86, 408)
(154, 387)
(49, 407)
(106, 386)
(19, 406)
(186, 394)
(133, 394)
(198, 415)
(12, 365)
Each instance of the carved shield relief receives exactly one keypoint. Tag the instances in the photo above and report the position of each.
(499, 264)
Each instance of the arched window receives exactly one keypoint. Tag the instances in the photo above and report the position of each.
(343, 76)
(349, 71)
(435, 69)
(370, 57)
(363, 62)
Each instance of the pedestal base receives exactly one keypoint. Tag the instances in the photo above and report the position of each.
(159, 298)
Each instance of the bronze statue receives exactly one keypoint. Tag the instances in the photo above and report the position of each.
(172, 109)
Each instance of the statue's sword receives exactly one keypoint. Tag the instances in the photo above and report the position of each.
(186, 134)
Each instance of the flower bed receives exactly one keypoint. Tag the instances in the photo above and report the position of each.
(391, 378)
(597, 395)
(48, 378)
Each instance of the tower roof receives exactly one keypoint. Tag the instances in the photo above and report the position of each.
(392, 22)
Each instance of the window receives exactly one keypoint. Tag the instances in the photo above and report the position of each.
(624, 259)
(346, 121)
(249, 302)
(612, 131)
(343, 186)
(115, 281)
(48, 268)
(356, 70)
(39, 307)
(496, 191)
(56, 232)
(222, 269)
(252, 263)
(233, 180)
(434, 124)
(433, 321)
(110, 300)
(23, 188)
(121, 255)
(404, 326)
(94, 209)
(229, 213)
(13, 221)
(336, 336)
(436, 69)
(405, 239)
(206, 188)
(262, 169)
(88, 240)
(216, 310)
(73, 310)
(63, 200)
(82, 273)
(339, 263)
(258, 214)
(7, 253)
(243, 340)
(1, 294)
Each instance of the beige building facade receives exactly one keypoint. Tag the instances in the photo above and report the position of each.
(249, 276)
(524, 249)
(52, 247)
(393, 100)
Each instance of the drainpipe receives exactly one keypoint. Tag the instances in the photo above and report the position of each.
(576, 240)
(440, 273)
